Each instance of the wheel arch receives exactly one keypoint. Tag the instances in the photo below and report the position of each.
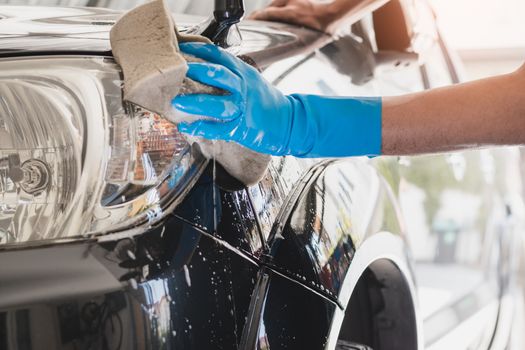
(381, 262)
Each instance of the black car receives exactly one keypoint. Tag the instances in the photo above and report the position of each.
(115, 234)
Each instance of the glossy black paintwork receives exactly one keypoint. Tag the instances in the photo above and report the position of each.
(270, 195)
(285, 322)
(180, 285)
(327, 219)
(316, 243)
(171, 287)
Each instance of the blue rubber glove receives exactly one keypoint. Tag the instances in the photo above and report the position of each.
(258, 116)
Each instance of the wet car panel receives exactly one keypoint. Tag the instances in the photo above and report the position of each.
(341, 205)
(153, 282)
(271, 194)
(283, 322)
(224, 215)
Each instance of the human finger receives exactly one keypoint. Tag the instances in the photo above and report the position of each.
(211, 130)
(215, 75)
(220, 107)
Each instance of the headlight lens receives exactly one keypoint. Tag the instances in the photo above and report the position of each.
(75, 160)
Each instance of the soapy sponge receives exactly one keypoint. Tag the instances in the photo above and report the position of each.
(144, 42)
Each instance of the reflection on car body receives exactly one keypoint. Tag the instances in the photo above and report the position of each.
(321, 254)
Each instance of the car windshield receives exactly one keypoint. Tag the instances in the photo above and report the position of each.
(194, 7)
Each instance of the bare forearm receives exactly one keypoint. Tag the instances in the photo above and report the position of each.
(480, 113)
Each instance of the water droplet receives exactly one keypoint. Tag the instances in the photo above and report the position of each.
(187, 275)
(131, 255)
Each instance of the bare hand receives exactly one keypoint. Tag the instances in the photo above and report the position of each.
(300, 12)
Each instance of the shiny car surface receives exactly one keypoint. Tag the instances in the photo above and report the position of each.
(385, 253)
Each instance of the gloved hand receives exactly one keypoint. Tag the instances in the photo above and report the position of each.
(258, 116)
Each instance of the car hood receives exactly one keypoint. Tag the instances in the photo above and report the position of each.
(26, 30)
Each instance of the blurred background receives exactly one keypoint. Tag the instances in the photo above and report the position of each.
(488, 35)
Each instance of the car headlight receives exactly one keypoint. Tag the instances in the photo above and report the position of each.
(76, 161)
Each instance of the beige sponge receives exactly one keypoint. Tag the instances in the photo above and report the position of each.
(144, 42)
